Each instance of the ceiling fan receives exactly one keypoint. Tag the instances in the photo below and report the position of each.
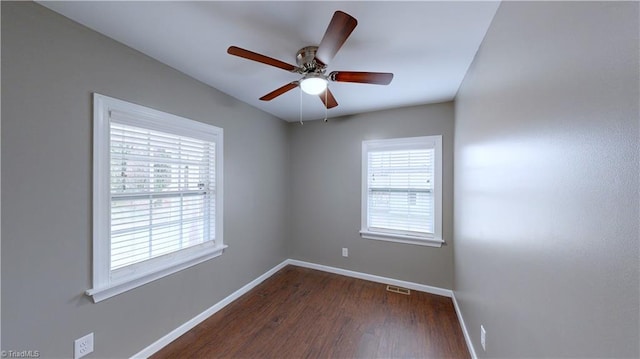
(312, 63)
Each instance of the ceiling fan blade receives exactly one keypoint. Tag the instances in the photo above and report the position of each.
(329, 101)
(279, 91)
(250, 55)
(339, 29)
(378, 78)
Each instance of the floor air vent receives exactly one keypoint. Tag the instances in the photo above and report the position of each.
(393, 288)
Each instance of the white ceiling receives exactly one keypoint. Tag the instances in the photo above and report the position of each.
(427, 45)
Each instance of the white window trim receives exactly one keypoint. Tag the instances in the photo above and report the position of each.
(435, 240)
(104, 284)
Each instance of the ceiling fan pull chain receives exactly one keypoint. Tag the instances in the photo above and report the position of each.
(302, 123)
(326, 91)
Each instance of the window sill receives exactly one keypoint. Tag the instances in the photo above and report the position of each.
(398, 238)
(113, 289)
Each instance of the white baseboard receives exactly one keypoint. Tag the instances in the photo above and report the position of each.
(176, 333)
(373, 278)
(467, 337)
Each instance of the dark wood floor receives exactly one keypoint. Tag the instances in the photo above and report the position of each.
(304, 313)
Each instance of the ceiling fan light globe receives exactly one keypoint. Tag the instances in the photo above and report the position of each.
(313, 85)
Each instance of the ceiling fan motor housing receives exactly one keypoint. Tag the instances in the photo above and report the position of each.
(305, 58)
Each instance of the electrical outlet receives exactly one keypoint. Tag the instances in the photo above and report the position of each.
(83, 346)
(345, 252)
(483, 338)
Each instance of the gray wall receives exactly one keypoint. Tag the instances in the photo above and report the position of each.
(546, 187)
(326, 177)
(50, 67)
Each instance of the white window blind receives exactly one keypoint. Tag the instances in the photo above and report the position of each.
(401, 189)
(162, 193)
(157, 195)
(400, 195)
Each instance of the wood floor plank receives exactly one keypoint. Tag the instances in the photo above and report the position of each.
(304, 313)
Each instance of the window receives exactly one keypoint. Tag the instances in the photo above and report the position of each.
(157, 195)
(402, 191)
